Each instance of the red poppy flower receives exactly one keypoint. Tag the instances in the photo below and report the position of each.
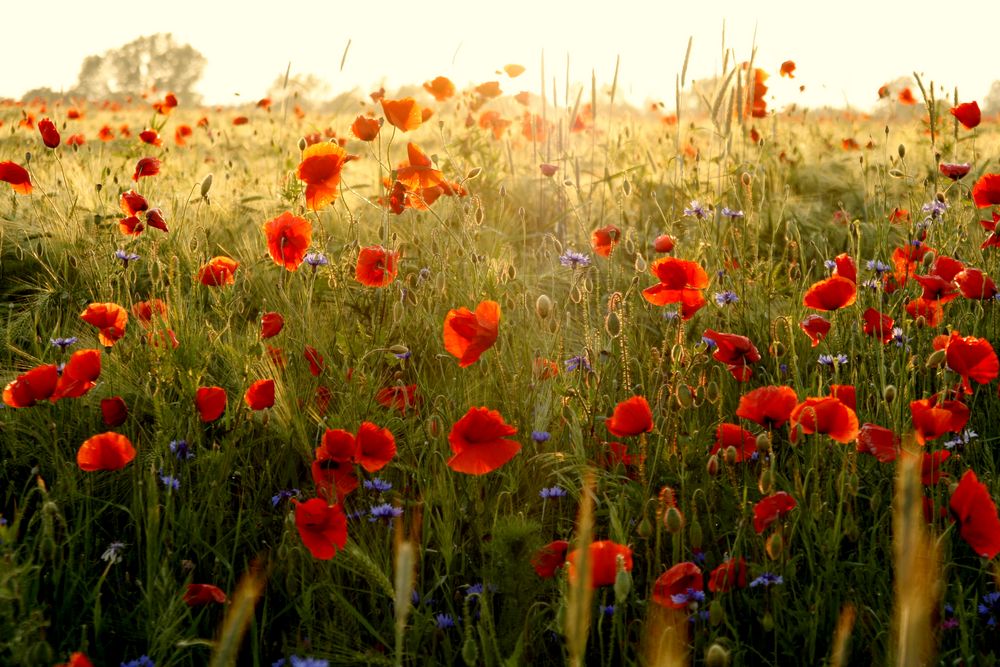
(878, 325)
(846, 394)
(678, 580)
(31, 387)
(603, 239)
(441, 88)
(419, 172)
(954, 171)
(376, 266)
(729, 575)
(322, 527)
(106, 451)
(930, 466)
(77, 659)
(616, 453)
(404, 114)
(826, 415)
(931, 311)
(602, 561)
(788, 69)
(315, 361)
(17, 176)
(757, 104)
(933, 417)
(399, 397)
(968, 114)
(816, 327)
(831, 294)
(79, 375)
(974, 510)
(271, 325)
(288, 239)
(240, 120)
(375, 446)
(906, 96)
(211, 403)
(936, 288)
(50, 135)
(219, 271)
(260, 395)
(740, 439)
(735, 351)
(479, 442)
(845, 267)
(151, 137)
(145, 167)
(906, 259)
(168, 104)
(665, 243)
(106, 133)
(320, 170)
(681, 281)
(986, 191)
(549, 558)
(899, 215)
(109, 318)
(365, 128)
(145, 311)
(202, 594)
(771, 508)
(181, 134)
(974, 284)
(769, 406)
(631, 417)
(333, 469)
(467, 335)
(972, 358)
(878, 441)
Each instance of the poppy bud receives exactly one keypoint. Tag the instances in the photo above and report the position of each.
(729, 454)
(921, 321)
(613, 324)
(398, 349)
(928, 260)
(677, 354)
(764, 442)
(206, 185)
(889, 393)
(766, 481)
(767, 622)
(712, 393)
(27, 157)
(432, 427)
(684, 397)
(303, 144)
(940, 197)
(645, 528)
(746, 178)
(543, 306)
(775, 545)
(936, 359)
(470, 653)
(623, 581)
(716, 656)
(712, 468)
(626, 187)
(695, 535)
(716, 613)
(896, 173)
(475, 171)
(503, 191)
(777, 349)
(640, 264)
(673, 520)
(902, 151)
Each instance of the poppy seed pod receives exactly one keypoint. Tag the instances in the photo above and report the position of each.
(729, 454)
(716, 656)
(398, 349)
(777, 349)
(936, 359)
(902, 151)
(673, 520)
(766, 481)
(475, 171)
(746, 178)
(712, 393)
(775, 545)
(623, 580)
(303, 144)
(543, 306)
(928, 260)
(889, 393)
(206, 185)
(695, 535)
(764, 443)
(645, 528)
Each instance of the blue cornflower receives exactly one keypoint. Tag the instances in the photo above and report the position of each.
(671, 315)
(696, 210)
(125, 257)
(898, 338)
(709, 343)
(170, 481)
(699, 557)
(553, 492)
(935, 208)
(872, 284)
(783, 369)
(403, 355)
(540, 436)
(878, 266)
(989, 608)
(112, 554)
(574, 259)
(830, 264)
(315, 259)
(731, 214)
(142, 661)
(474, 589)
(63, 343)
(949, 622)
(691, 596)
(181, 449)
(576, 363)
(384, 511)
(3, 521)
(961, 440)
(702, 615)
(377, 484)
(444, 621)
(725, 298)
(607, 610)
(767, 579)
(284, 494)
(296, 661)
(833, 361)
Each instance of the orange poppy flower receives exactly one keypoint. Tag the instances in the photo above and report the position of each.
(211, 403)
(602, 561)
(523, 98)
(441, 88)
(740, 439)
(145, 311)
(376, 266)
(827, 415)
(288, 239)
(240, 120)
(375, 446)
(788, 69)
(17, 176)
(972, 358)
(29, 388)
(106, 451)
(404, 114)
(151, 137)
(816, 327)
(758, 105)
(106, 133)
(181, 134)
(603, 239)
(419, 172)
(109, 318)
(878, 441)
(678, 580)
(168, 104)
(769, 406)
(489, 90)
(365, 128)
(974, 284)
(735, 351)
(933, 417)
(899, 215)
(681, 281)
(79, 375)
(219, 271)
(631, 417)
(986, 191)
(967, 114)
(50, 135)
(878, 325)
(973, 508)
(479, 442)
(832, 293)
(931, 311)
(467, 335)
(771, 508)
(322, 527)
(77, 659)
(145, 167)
(320, 170)
(202, 594)
(260, 395)
(906, 96)
(399, 397)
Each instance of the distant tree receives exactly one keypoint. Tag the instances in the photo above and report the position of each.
(306, 90)
(44, 93)
(991, 103)
(154, 62)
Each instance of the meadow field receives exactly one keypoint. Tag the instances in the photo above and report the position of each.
(491, 377)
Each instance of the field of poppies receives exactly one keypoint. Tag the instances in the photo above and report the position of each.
(495, 377)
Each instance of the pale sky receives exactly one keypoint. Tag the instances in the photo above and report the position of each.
(844, 50)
